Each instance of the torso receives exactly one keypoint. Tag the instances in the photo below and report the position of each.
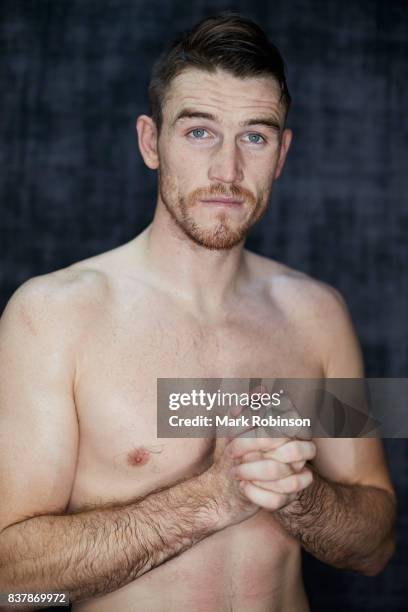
(137, 335)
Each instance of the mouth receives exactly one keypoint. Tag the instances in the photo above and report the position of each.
(222, 201)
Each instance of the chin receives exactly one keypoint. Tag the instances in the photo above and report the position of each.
(219, 238)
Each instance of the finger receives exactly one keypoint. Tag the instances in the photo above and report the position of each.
(219, 447)
(242, 445)
(265, 499)
(288, 410)
(231, 431)
(252, 456)
(243, 414)
(291, 484)
(242, 418)
(235, 411)
(266, 469)
(257, 406)
(234, 431)
(296, 450)
(304, 432)
(297, 466)
(286, 403)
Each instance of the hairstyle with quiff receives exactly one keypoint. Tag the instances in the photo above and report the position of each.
(226, 41)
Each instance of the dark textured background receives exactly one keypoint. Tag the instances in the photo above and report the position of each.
(73, 79)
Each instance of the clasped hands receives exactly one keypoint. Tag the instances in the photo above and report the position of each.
(271, 471)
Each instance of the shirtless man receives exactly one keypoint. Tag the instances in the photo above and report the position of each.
(93, 503)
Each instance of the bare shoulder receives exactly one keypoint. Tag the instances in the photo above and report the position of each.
(294, 292)
(68, 299)
(63, 300)
(290, 286)
(318, 313)
(306, 297)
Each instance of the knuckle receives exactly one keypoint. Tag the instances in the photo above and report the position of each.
(306, 479)
(282, 487)
(280, 501)
(290, 498)
(284, 470)
(293, 483)
(295, 451)
(274, 501)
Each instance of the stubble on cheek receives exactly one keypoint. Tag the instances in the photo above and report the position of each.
(223, 234)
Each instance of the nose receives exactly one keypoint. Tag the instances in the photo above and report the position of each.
(226, 164)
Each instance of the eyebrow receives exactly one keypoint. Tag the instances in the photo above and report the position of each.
(188, 113)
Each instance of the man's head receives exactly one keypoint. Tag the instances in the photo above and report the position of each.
(217, 136)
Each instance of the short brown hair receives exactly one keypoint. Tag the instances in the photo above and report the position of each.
(227, 41)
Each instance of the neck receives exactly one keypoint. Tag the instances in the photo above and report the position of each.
(203, 278)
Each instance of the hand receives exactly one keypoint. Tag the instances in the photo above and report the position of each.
(272, 472)
(225, 490)
(286, 409)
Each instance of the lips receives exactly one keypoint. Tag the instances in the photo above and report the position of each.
(222, 201)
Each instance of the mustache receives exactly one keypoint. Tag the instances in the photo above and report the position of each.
(233, 191)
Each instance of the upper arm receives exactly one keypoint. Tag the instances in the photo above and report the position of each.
(39, 427)
(345, 460)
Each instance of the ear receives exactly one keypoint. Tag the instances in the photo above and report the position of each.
(147, 139)
(283, 151)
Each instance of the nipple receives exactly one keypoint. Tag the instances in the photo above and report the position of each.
(138, 456)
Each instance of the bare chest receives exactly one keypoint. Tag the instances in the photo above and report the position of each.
(120, 456)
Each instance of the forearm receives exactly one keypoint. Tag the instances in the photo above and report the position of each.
(98, 551)
(348, 526)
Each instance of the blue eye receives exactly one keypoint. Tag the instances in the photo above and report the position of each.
(198, 133)
(256, 138)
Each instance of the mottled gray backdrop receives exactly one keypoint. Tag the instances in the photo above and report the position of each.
(73, 79)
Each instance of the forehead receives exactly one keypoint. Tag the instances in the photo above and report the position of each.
(224, 95)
